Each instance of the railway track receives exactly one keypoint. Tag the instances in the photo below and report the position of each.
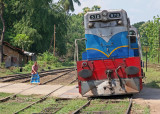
(54, 108)
(45, 82)
(26, 77)
(43, 98)
(89, 104)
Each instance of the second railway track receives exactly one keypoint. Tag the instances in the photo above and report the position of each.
(42, 83)
(28, 75)
(23, 78)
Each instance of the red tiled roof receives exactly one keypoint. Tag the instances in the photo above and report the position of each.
(12, 47)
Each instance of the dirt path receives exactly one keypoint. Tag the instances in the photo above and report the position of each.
(150, 97)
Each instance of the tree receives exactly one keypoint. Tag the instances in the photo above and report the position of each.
(23, 41)
(96, 8)
(36, 19)
(86, 9)
(2, 5)
(68, 4)
(138, 25)
(149, 32)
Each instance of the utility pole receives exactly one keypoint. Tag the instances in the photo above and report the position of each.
(54, 38)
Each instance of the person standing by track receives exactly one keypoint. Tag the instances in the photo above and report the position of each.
(35, 77)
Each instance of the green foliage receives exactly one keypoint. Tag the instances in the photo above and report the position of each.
(33, 23)
(47, 61)
(152, 77)
(23, 41)
(28, 66)
(48, 58)
(75, 31)
(2, 65)
(138, 25)
(94, 8)
(68, 4)
(149, 32)
(36, 19)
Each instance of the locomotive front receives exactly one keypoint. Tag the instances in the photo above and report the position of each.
(111, 64)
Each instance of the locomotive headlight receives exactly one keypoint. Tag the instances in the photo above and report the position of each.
(84, 64)
(104, 19)
(90, 25)
(104, 13)
(120, 22)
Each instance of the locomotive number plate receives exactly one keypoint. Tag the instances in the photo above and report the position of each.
(95, 16)
(114, 15)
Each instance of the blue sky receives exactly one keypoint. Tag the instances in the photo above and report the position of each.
(138, 10)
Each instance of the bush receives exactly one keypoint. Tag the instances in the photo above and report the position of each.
(2, 65)
(46, 61)
(48, 58)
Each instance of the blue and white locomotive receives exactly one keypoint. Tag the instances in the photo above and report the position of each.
(111, 64)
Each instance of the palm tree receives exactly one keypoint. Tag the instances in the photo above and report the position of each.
(86, 9)
(96, 8)
(68, 4)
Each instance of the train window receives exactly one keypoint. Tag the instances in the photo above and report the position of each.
(132, 39)
(132, 34)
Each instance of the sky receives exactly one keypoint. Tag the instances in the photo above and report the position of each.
(137, 10)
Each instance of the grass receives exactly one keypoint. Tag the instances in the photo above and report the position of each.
(140, 109)
(152, 78)
(22, 101)
(68, 106)
(111, 108)
(114, 108)
(2, 95)
(15, 104)
(71, 106)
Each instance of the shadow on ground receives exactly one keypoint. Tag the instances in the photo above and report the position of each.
(148, 93)
(154, 84)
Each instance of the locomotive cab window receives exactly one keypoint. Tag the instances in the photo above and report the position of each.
(132, 35)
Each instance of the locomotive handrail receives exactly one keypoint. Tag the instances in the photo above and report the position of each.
(120, 80)
(76, 53)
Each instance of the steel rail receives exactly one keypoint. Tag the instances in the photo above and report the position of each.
(20, 75)
(85, 105)
(129, 106)
(99, 112)
(43, 74)
(14, 95)
(54, 106)
(55, 71)
(43, 98)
